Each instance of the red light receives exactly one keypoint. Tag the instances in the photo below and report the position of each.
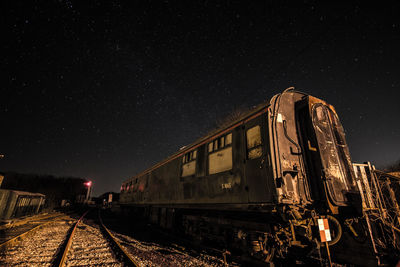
(88, 184)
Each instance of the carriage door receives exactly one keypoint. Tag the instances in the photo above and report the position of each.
(255, 160)
(325, 150)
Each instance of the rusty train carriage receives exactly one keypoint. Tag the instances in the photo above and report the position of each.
(259, 184)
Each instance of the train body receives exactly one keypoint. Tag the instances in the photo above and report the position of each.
(14, 204)
(259, 184)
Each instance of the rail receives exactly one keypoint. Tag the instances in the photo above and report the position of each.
(126, 257)
(19, 237)
(61, 261)
(61, 258)
(115, 245)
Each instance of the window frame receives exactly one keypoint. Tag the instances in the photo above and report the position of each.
(216, 142)
(187, 158)
(258, 146)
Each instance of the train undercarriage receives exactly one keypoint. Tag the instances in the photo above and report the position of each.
(289, 234)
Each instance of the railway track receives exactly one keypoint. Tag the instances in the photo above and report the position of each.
(32, 246)
(35, 219)
(10, 234)
(67, 241)
(93, 245)
(64, 242)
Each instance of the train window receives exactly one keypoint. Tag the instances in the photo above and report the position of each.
(190, 156)
(189, 163)
(220, 160)
(220, 154)
(131, 186)
(228, 139)
(253, 137)
(215, 144)
(210, 147)
(220, 143)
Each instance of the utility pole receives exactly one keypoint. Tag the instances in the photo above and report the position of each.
(89, 189)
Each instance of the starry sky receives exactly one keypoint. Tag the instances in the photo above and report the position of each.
(104, 89)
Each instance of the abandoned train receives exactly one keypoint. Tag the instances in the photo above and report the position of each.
(259, 184)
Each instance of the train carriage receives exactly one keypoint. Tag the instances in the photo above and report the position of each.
(260, 183)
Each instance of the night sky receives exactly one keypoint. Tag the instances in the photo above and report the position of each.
(104, 89)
